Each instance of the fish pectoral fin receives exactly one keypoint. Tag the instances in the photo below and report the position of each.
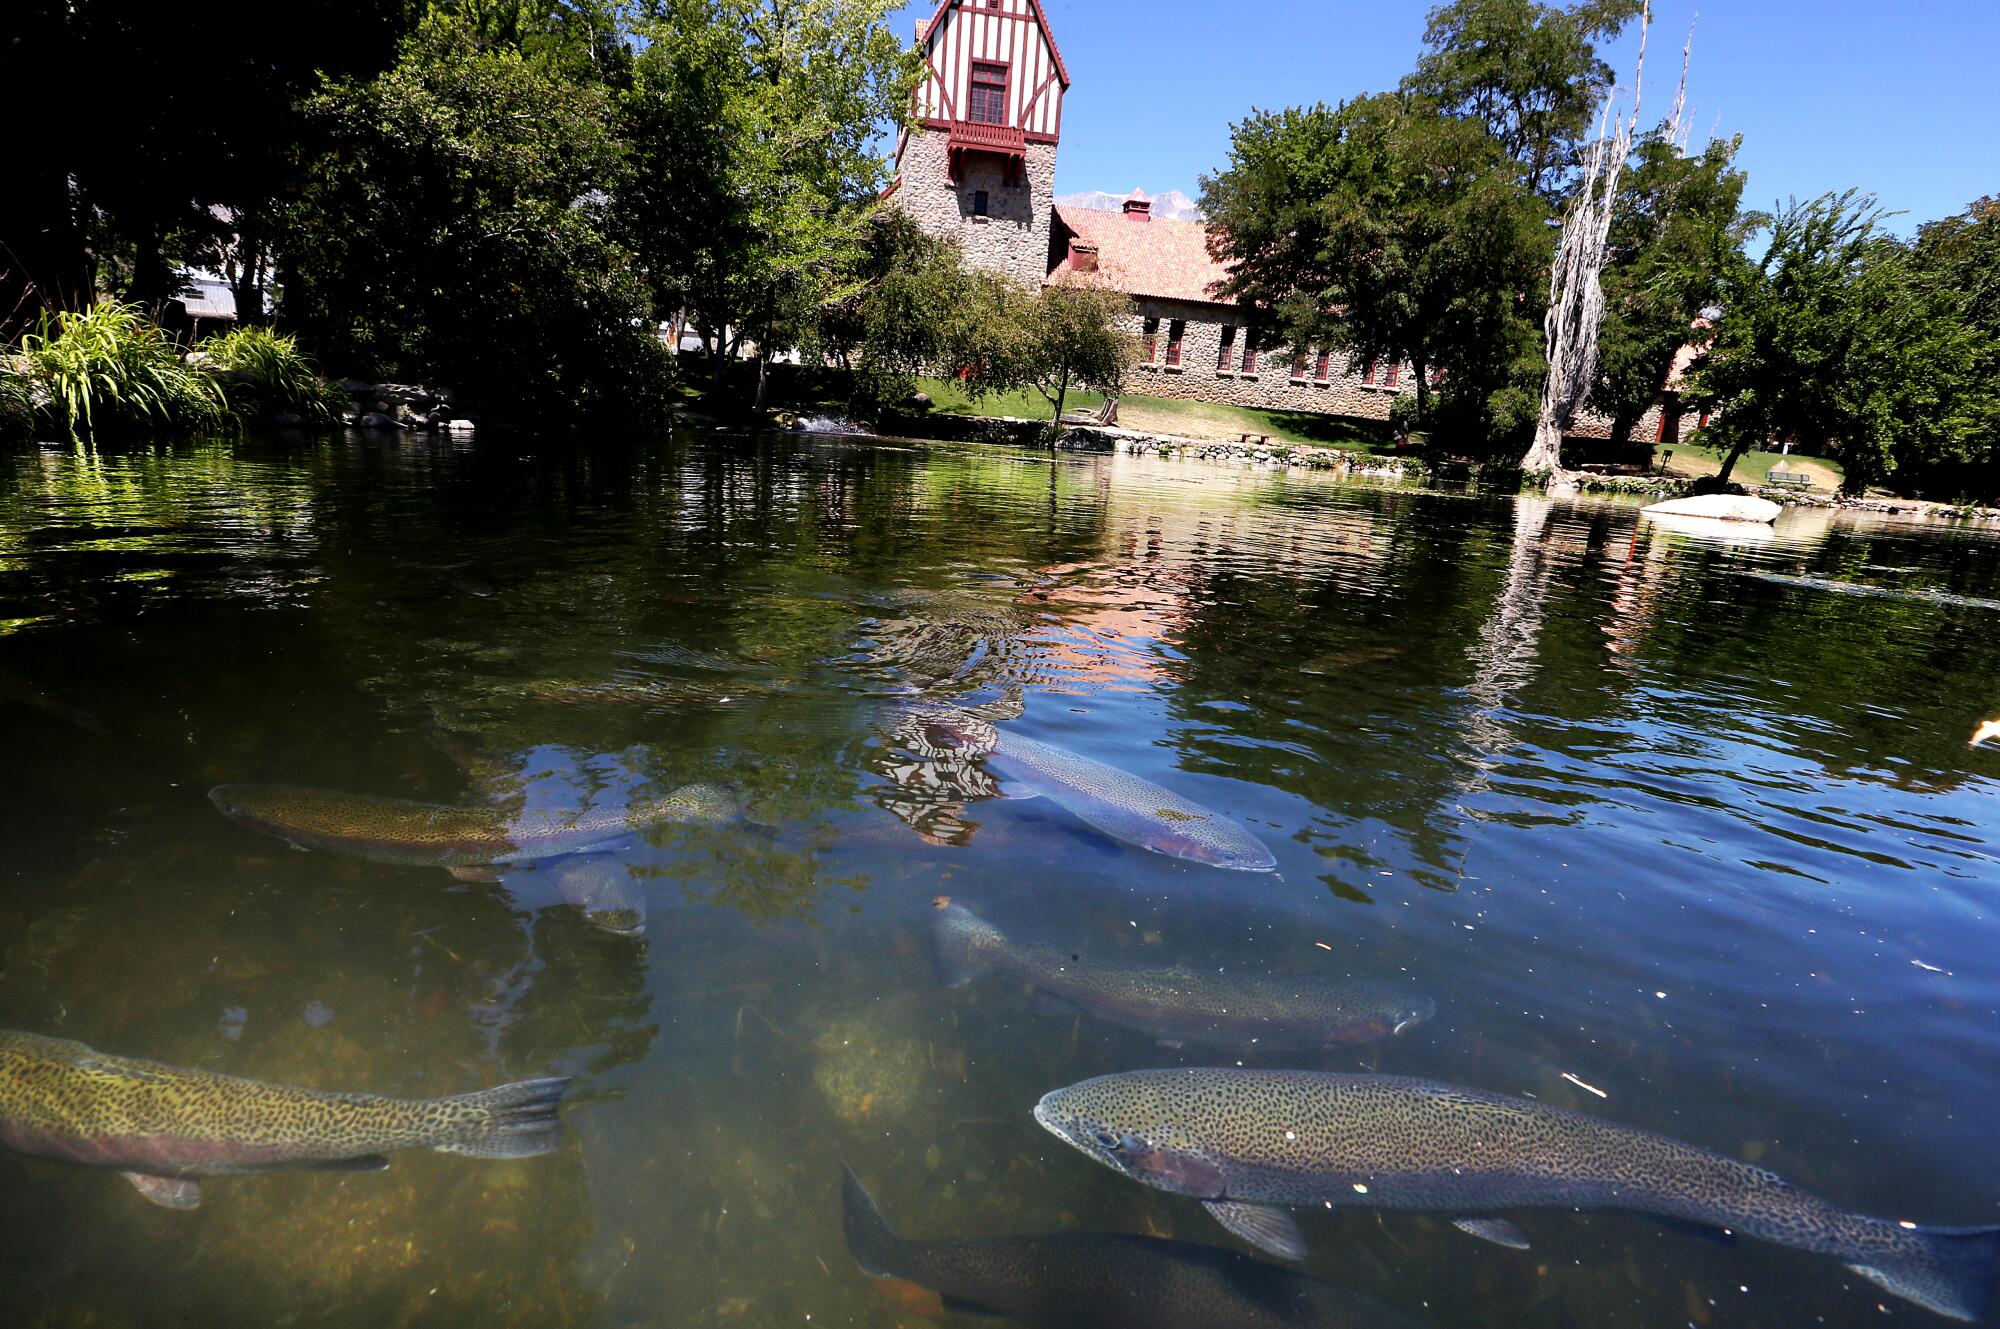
(1171, 1044)
(166, 1192)
(1269, 1230)
(970, 1309)
(482, 872)
(1013, 789)
(1687, 1227)
(363, 1163)
(1496, 1230)
(1044, 1002)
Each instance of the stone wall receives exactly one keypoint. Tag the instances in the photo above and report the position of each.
(1013, 238)
(1269, 386)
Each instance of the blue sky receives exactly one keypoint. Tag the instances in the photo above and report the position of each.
(1892, 97)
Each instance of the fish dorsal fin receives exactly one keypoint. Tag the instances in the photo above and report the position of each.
(166, 1192)
(1268, 1229)
(1496, 1230)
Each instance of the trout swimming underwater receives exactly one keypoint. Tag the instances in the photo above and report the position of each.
(163, 1126)
(1246, 1143)
(1122, 805)
(395, 830)
(1276, 1012)
(1102, 1281)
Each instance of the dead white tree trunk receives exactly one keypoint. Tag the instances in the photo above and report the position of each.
(1576, 296)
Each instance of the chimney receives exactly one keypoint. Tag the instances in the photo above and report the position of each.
(1082, 257)
(1138, 207)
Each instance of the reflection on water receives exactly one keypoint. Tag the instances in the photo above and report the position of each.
(1628, 810)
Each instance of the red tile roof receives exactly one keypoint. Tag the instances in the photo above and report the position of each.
(1166, 259)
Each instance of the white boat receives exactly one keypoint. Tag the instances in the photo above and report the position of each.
(1719, 507)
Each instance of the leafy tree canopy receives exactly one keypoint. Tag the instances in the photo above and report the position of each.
(1527, 71)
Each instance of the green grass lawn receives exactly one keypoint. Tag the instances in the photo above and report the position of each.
(1168, 415)
(1752, 467)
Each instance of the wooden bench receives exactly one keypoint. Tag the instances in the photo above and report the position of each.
(1789, 479)
(1103, 417)
(1258, 439)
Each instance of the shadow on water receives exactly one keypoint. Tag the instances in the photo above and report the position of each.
(1638, 816)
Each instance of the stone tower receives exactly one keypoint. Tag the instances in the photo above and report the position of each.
(978, 161)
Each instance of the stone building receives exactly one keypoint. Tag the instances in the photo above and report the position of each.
(977, 163)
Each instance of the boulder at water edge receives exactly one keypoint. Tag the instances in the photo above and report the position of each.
(1719, 507)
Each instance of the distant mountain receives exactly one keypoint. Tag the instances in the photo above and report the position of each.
(1173, 205)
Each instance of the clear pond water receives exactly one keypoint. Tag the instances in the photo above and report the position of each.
(1680, 846)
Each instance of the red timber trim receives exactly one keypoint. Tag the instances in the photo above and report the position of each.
(945, 103)
(1034, 13)
(1324, 365)
(938, 122)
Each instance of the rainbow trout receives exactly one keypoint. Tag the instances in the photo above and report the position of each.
(1246, 1143)
(1086, 1281)
(1118, 803)
(1279, 1012)
(163, 1126)
(395, 830)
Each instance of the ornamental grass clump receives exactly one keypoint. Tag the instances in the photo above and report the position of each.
(109, 369)
(264, 373)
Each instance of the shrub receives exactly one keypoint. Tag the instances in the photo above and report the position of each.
(266, 374)
(17, 410)
(110, 369)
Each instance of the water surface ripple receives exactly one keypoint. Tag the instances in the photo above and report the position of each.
(1707, 842)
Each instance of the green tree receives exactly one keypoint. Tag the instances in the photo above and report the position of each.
(1839, 340)
(909, 313)
(1677, 225)
(1395, 233)
(455, 231)
(1529, 72)
(756, 127)
(1052, 340)
(144, 161)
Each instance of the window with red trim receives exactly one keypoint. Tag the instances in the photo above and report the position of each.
(1389, 374)
(1149, 342)
(987, 104)
(1323, 366)
(1298, 364)
(1226, 356)
(1249, 355)
(1175, 331)
(1368, 375)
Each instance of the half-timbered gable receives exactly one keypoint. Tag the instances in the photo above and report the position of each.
(977, 161)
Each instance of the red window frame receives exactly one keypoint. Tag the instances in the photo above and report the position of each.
(1368, 375)
(986, 93)
(1324, 365)
(1226, 354)
(1390, 374)
(1249, 355)
(1176, 330)
(1149, 341)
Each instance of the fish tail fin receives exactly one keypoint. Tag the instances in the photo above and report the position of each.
(959, 942)
(1949, 1270)
(512, 1121)
(870, 1240)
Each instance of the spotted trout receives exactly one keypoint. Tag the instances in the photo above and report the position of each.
(1278, 1012)
(163, 1126)
(1246, 1143)
(1093, 1281)
(1122, 805)
(394, 830)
